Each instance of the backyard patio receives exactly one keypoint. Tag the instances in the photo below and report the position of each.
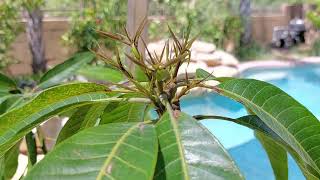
(153, 89)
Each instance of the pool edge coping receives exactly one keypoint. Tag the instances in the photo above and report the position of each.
(276, 63)
(244, 66)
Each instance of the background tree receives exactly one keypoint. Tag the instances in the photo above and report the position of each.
(218, 22)
(34, 16)
(314, 16)
(9, 29)
(245, 14)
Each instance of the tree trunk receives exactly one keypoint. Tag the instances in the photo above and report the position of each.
(36, 44)
(245, 13)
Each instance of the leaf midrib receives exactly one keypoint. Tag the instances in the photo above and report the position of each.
(129, 113)
(114, 150)
(175, 126)
(282, 127)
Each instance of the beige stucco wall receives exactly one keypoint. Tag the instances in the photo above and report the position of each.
(56, 52)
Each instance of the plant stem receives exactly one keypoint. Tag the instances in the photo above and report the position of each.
(42, 140)
(202, 117)
(32, 148)
(214, 88)
(164, 100)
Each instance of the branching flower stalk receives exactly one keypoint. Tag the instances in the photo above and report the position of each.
(160, 70)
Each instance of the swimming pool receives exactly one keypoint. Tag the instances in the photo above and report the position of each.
(301, 82)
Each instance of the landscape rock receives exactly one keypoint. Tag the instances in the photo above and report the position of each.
(223, 71)
(156, 47)
(203, 47)
(225, 58)
(192, 67)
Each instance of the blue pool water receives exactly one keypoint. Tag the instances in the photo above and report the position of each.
(302, 83)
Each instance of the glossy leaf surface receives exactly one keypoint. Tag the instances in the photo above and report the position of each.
(99, 73)
(6, 85)
(277, 156)
(291, 121)
(123, 112)
(73, 124)
(7, 102)
(9, 163)
(62, 71)
(16, 123)
(85, 117)
(111, 151)
(202, 74)
(196, 154)
(7, 82)
(255, 123)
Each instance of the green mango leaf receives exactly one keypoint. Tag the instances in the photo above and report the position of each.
(290, 120)
(99, 73)
(123, 112)
(94, 112)
(73, 125)
(163, 75)
(18, 101)
(255, 123)
(68, 113)
(5, 98)
(85, 117)
(202, 74)
(19, 121)
(112, 151)
(6, 85)
(139, 75)
(277, 156)
(8, 101)
(6, 82)
(190, 151)
(68, 68)
(135, 52)
(9, 163)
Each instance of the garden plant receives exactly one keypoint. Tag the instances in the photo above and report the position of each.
(98, 14)
(135, 129)
(9, 30)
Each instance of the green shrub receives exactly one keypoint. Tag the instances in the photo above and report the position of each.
(252, 51)
(314, 16)
(316, 48)
(216, 22)
(9, 29)
(97, 15)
